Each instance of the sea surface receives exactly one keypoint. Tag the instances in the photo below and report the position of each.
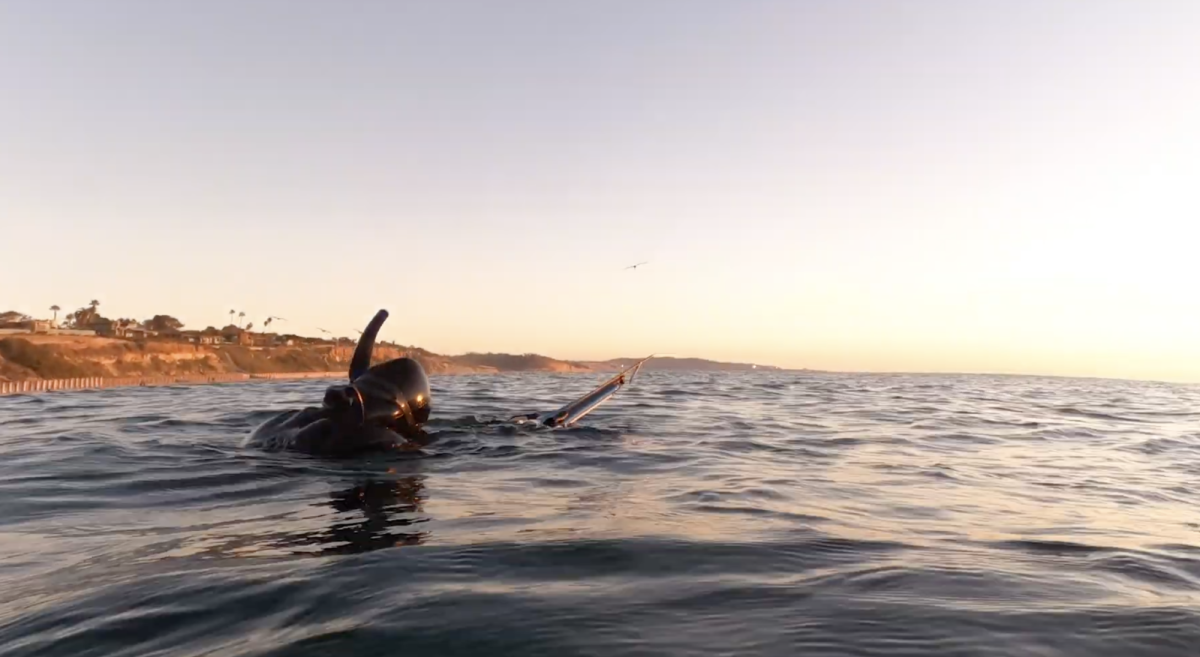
(694, 514)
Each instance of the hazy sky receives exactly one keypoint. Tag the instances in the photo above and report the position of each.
(966, 186)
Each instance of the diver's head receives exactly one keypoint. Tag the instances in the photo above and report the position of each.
(393, 395)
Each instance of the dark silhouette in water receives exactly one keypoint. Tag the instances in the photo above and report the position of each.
(391, 514)
(387, 521)
(382, 408)
(386, 406)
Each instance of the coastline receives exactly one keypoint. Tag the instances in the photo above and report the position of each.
(36, 362)
(31, 386)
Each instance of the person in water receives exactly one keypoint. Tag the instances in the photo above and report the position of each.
(385, 407)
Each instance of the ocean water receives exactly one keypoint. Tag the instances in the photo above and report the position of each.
(695, 514)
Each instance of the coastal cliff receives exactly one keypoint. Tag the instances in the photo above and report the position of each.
(58, 357)
(32, 357)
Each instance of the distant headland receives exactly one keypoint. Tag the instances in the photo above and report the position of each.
(84, 343)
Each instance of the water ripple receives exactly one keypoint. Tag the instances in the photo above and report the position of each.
(696, 514)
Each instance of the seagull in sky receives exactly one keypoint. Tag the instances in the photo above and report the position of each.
(636, 266)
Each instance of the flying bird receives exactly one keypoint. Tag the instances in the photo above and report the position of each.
(636, 266)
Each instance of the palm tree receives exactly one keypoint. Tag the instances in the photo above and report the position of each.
(54, 309)
(92, 312)
(231, 312)
(241, 316)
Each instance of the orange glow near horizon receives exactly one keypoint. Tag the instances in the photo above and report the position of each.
(941, 187)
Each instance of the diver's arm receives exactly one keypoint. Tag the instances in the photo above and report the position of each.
(316, 436)
(419, 438)
(282, 430)
(300, 418)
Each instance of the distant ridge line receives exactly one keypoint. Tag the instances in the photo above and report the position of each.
(674, 363)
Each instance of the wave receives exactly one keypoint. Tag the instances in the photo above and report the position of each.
(698, 514)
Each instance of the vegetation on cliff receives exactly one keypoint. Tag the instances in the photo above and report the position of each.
(57, 357)
(62, 357)
(159, 347)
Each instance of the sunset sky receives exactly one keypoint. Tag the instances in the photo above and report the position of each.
(1002, 186)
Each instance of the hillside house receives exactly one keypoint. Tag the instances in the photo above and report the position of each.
(119, 328)
(271, 340)
(28, 326)
(132, 330)
(237, 335)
